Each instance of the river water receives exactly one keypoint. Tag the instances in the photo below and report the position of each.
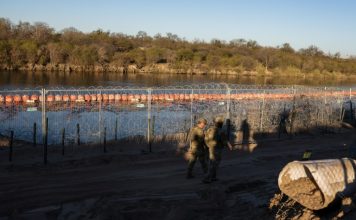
(16, 79)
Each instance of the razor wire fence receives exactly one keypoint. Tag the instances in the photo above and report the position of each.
(92, 115)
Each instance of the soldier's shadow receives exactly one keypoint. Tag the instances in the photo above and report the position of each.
(244, 138)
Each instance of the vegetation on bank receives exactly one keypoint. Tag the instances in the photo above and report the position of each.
(37, 46)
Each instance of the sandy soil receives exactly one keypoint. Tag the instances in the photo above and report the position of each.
(129, 183)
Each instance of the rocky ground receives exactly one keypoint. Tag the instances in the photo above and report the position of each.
(129, 183)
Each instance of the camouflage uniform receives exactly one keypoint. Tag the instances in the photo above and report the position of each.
(197, 149)
(216, 140)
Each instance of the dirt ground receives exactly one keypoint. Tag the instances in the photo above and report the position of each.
(129, 183)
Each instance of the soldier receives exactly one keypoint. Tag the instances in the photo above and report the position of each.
(216, 140)
(197, 147)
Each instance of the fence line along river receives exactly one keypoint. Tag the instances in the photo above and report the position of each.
(90, 115)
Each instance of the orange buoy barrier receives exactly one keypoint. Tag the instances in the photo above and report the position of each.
(87, 97)
(66, 98)
(155, 97)
(124, 97)
(80, 98)
(50, 98)
(137, 97)
(111, 97)
(25, 98)
(117, 97)
(99, 97)
(105, 97)
(143, 97)
(73, 98)
(17, 98)
(168, 97)
(57, 98)
(34, 98)
(93, 97)
(8, 98)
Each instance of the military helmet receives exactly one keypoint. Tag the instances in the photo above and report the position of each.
(219, 119)
(202, 120)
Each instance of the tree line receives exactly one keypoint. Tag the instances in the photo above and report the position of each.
(26, 45)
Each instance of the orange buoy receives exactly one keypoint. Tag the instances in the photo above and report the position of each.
(2, 99)
(25, 98)
(40, 98)
(93, 97)
(87, 97)
(57, 98)
(50, 98)
(166, 97)
(124, 97)
(73, 98)
(181, 97)
(117, 97)
(66, 98)
(17, 98)
(155, 97)
(143, 97)
(105, 97)
(176, 96)
(111, 97)
(160, 97)
(8, 98)
(34, 98)
(80, 98)
(99, 97)
(137, 97)
(130, 97)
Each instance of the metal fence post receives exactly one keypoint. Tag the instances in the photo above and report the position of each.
(63, 139)
(100, 101)
(104, 139)
(116, 124)
(149, 102)
(44, 126)
(34, 134)
(11, 145)
(191, 109)
(262, 111)
(228, 103)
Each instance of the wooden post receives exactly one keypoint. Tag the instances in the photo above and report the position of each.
(116, 129)
(78, 134)
(63, 139)
(105, 140)
(34, 134)
(11, 144)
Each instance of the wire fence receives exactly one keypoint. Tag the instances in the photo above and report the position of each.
(92, 115)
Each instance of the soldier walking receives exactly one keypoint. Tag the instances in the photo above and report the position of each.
(216, 140)
(197, 147)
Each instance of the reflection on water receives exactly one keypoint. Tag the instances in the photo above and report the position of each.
(47, 79)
